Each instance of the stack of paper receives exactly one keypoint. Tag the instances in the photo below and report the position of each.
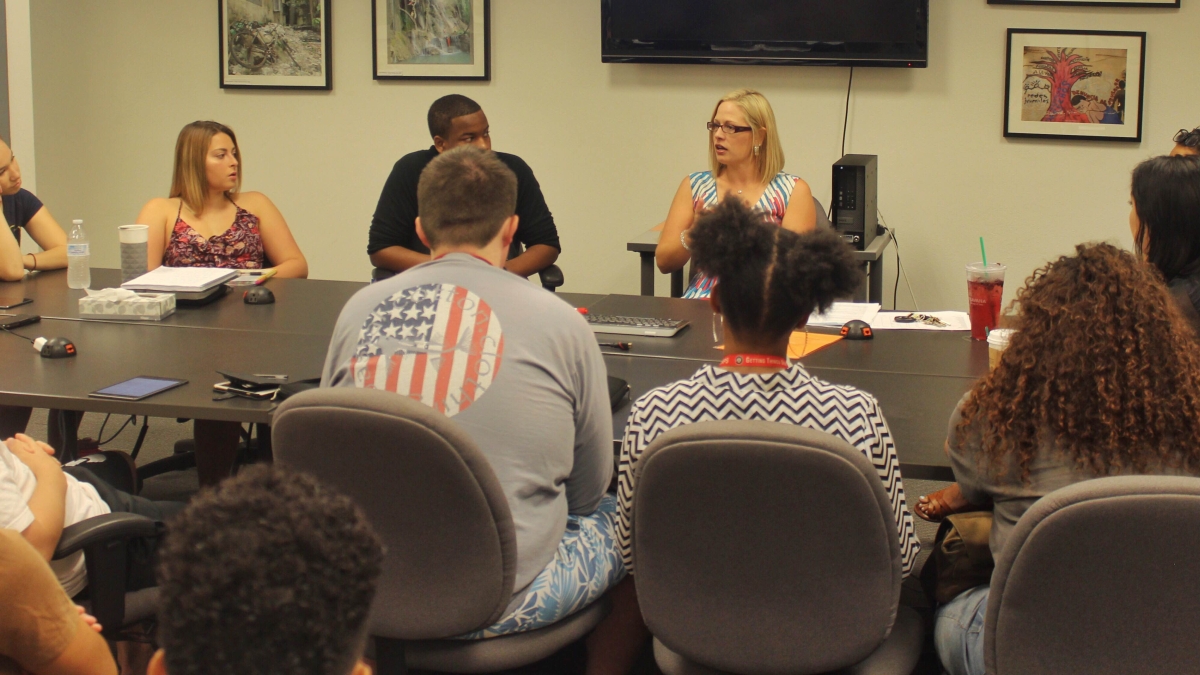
(181, 279)
(841, 312)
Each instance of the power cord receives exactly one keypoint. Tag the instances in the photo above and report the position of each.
(845, 126)
(846, 119)
(27, 339)
(899, 268)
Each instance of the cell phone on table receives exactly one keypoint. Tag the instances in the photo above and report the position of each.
(9, 303)
(138, 388)
(11, 322)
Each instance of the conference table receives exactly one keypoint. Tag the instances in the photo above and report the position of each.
(918, 377)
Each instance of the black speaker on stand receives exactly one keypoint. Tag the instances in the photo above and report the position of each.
(856, 199)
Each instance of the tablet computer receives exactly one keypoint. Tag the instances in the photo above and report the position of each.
(137, 388)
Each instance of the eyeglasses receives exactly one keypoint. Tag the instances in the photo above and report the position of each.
(727, 128)
(1188, 137)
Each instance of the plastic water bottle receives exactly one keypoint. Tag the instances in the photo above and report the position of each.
(79, 271)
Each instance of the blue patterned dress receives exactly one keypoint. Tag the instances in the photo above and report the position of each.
(773, 204)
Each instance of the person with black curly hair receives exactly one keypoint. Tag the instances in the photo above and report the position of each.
(270, 572)
(1101, 378)
(769, 280)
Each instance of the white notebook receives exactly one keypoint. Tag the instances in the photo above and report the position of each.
(181, 279)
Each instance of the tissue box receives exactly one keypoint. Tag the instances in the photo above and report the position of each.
(141, 307)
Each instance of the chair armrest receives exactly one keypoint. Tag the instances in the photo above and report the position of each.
(379, 274)
(102, 529)
(551, 277)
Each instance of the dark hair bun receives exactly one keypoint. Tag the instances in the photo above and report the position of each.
(770, 279)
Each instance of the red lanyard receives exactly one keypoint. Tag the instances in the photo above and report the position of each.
(754, 361)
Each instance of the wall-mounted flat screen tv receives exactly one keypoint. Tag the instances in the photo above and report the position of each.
(889, 33)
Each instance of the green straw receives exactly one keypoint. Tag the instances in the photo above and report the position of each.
(983, 251)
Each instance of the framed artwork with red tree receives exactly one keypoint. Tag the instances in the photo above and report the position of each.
(1084, 85)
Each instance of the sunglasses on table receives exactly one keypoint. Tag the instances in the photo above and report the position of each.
(727, 128)
(1188, 137)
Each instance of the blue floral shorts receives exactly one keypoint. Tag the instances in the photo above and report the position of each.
(587, 564)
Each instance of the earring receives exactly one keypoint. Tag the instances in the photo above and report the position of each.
(756, 149)
(714, 326)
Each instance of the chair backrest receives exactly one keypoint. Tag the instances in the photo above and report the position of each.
(822, 216)
(1100, 577)
(762, 547)
(431, 495)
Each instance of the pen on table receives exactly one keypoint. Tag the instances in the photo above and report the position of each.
(623, 346)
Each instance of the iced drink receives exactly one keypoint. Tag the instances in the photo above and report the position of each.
(985, 292)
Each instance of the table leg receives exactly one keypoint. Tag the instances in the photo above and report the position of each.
(216, 449)
(875, 281)
(62, 434)
(647, 272)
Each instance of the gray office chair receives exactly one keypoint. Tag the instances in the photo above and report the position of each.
(1100, 577)
(434, 500)
(762, 547)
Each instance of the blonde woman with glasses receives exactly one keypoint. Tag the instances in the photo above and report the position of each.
(745, 160)
(208, 221)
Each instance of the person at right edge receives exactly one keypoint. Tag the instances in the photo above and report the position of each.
(1165, 223)
(456, 121)
(1101, 378)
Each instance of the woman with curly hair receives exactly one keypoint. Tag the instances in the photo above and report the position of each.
(1101, 378)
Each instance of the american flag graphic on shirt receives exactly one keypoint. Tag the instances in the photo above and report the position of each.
(439, 344)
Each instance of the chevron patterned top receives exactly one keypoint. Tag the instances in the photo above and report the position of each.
(790, 396)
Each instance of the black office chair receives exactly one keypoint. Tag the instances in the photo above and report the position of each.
(433, 498)
(104, 541)
(551, 277)
(743, 567)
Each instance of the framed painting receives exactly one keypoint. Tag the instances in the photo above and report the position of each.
(1090, 3)
(275, 44)
(1074, 84)
(431, 39)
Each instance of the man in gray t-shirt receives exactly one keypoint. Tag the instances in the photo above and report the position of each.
(514, 366)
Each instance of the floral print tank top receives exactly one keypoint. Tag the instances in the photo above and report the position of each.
(240, 247)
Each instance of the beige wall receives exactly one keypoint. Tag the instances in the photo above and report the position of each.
(114, 82)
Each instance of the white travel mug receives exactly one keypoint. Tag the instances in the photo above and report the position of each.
(134, 239)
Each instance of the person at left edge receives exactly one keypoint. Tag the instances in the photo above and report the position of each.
(22, 210)
(454, 121)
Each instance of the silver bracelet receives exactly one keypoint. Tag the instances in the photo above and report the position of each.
(683, 240)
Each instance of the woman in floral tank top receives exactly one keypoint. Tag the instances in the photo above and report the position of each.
(209, 222)
(746, 160)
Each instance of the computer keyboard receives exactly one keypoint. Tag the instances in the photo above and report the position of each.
(634, 325)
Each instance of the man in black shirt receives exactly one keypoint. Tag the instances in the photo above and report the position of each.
(456, 120)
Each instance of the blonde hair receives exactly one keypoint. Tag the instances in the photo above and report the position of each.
(761, 118)
(189, 181)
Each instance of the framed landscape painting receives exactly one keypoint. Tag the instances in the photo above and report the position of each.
(1091, 3)
(275, 44)
(431, 39)
(1074, 84)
